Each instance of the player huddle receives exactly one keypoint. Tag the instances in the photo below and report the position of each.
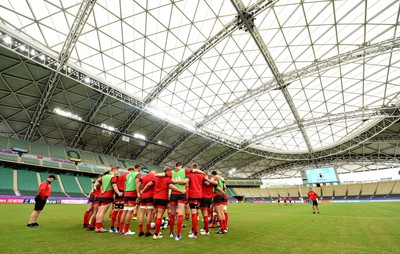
(155, 193)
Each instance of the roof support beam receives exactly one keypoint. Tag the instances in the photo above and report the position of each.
(182, 138)
(123, 129)
(337, 161)
(228, 29)
(198, 152)
(219, 158)
(76, 29)
(318, 67)
(362, 114)
(363, 137)
(153, 135)
(248, 19)
(83, 127)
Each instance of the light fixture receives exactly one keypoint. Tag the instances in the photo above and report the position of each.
(7, 39)
(105, 126)
(67, 114)
(139, 136)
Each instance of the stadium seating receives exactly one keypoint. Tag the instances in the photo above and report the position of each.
(327, 192)
(39, 149)
(55, 185)
(353, 190)
(51, 164)
(264, 193)
(368, 190)
(30, 160)
(273, 192)
(71, 186)
(6, 181)
(230, 192)
(111, 160)
(87, 157)
(20, 143)
(9, 157)
(4, 143)
(340, 191)
(86, 183)
(395, 193)
(58, 152)
(304, 191)
(27, 183)
(293, 192)
(384, 189)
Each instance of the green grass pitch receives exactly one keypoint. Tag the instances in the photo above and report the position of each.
(253, 228)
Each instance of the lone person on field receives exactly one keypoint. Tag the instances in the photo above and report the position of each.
(40, 200)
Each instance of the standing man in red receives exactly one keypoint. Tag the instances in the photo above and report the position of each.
(40, 200)
(205, 204)
(195, 194)
(217, 201)
(108, 187)
(314, 200)
(146, 203)
(132, 187)
(119, 202)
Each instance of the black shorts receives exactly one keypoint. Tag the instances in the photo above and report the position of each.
(205, 203)
(39, 203)
(129, 198)
(178, 198)
(194, 203)
(146, 201)
(106, 200)
(314, 202)
(217, 200)
(160, 203)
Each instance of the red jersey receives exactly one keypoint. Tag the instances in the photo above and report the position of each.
(109, 193)
(145, 180)
(312, 195)
(207, 191)
(195, 185)
(121, 181)
(44, 190)
(161, 187)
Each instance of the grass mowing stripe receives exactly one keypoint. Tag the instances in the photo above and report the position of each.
(253, 228)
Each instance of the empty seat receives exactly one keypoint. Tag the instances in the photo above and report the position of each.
(368, 189)
(86, 183)
(6, 181)
(384, 188)
(39, 149)
(71, 186)
(27, 183)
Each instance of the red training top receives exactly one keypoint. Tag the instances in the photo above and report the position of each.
(195, 185)
(207, 191)
(44, 190)
(145, 180)
(312, 195)
(161, 187)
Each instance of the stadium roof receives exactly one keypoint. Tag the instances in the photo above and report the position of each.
(254, 86)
